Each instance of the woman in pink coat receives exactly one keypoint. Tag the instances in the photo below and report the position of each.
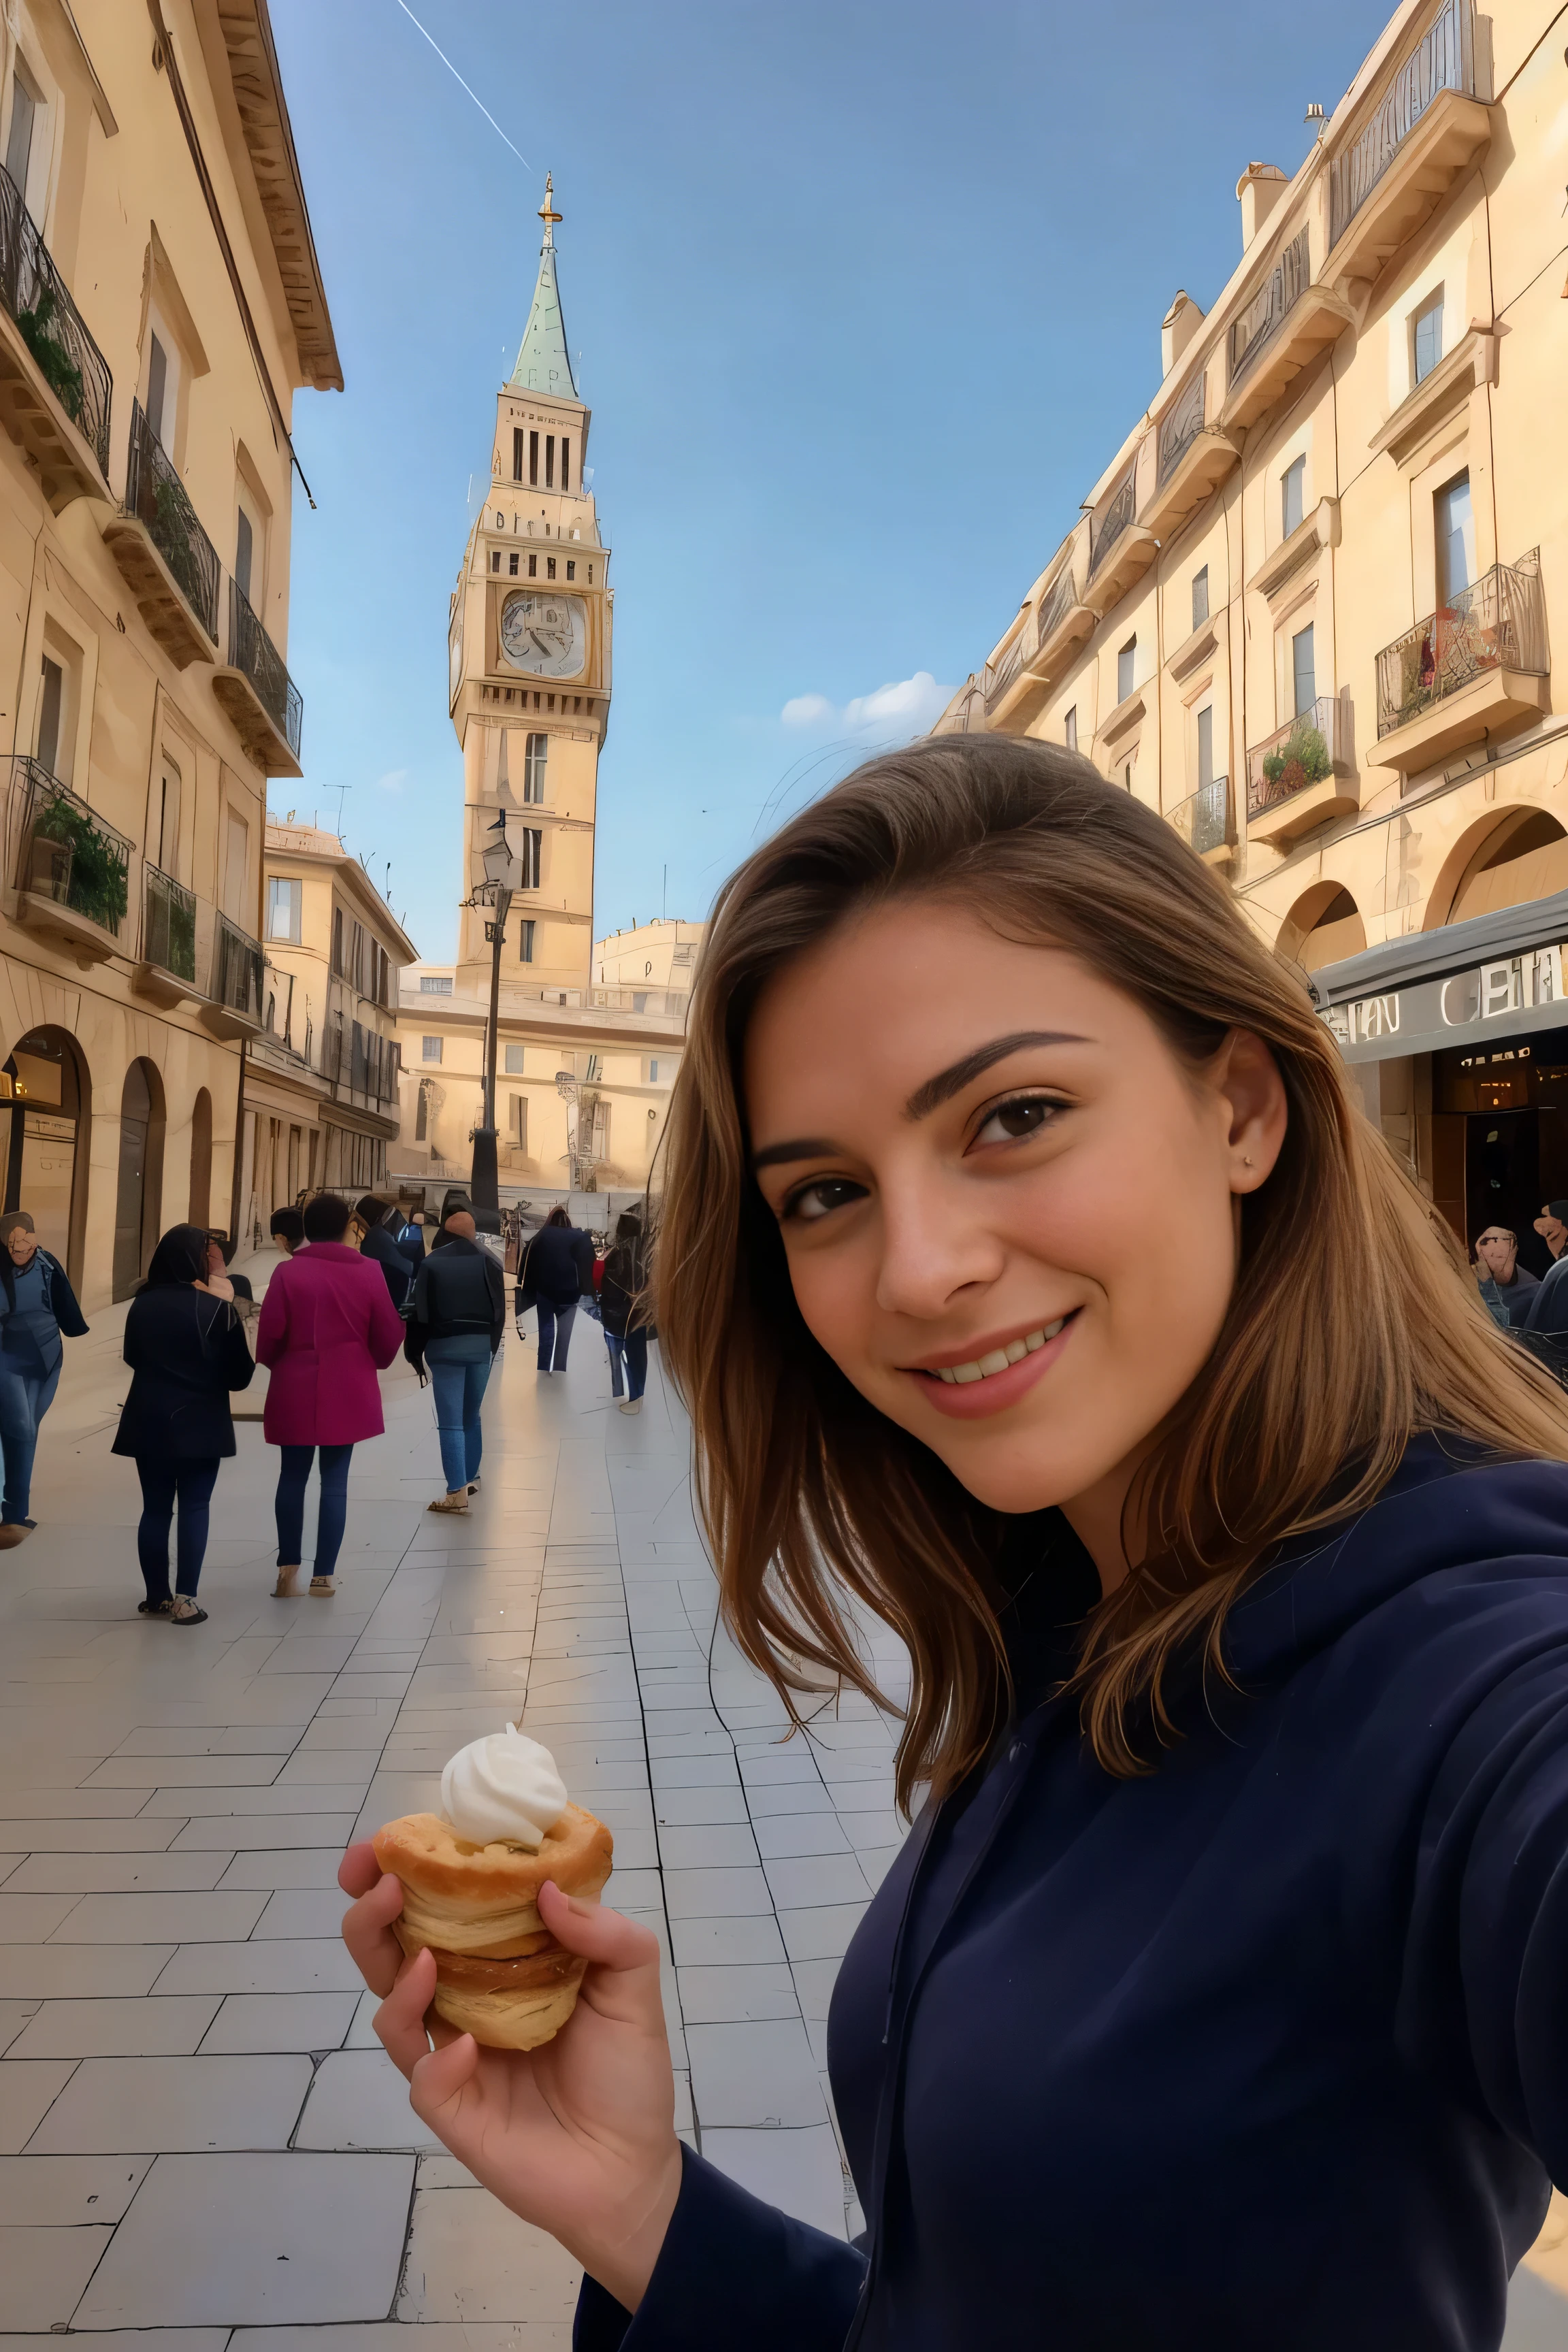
(328, 1325)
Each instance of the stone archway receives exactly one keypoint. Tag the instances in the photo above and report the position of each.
(1322, 928)
(201, 1158)
(49, 1160)
(1509, 856)
(139, 1194)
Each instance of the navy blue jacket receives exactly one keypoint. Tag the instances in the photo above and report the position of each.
(397, 1258)
(1269, 2047)
(557, 1264)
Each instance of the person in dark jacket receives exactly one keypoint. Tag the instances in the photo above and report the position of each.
(220, 1258)
(455, 1324)
(557, 1270)
(37, 1305)
(288, 1230)
(398, 1260)
(186, 1348)
(1497, 1257)
(1216, 2000)
(624, 1313)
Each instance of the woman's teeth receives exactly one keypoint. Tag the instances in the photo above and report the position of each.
(999, 1358)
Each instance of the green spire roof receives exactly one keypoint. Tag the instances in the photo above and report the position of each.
(543, 362)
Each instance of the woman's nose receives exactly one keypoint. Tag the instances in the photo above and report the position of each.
(930, 1251)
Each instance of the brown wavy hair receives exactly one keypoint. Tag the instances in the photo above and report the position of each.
(1351, 1325)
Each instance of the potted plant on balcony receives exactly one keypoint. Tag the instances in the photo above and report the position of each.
(55, 362)
(98, 872)
(181, 939)
(1301, 760)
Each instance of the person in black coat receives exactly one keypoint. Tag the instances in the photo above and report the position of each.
(398, 1259)
(557, 1270)
(456, 1320)
(624, 1313)
(186, 1348)
(37, 1305)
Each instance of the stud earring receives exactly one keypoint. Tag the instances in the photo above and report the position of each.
(1247, 1163)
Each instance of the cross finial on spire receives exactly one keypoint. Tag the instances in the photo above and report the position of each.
(547, 211)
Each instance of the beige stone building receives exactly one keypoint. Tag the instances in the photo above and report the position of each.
(159, 303)
(321, 1078)
(1309, 610)
(582, 1070)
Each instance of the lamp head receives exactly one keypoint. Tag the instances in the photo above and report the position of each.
(497, 854)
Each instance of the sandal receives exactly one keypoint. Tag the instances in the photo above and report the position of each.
(456, 1502)
(183, 1611)
(165, 1608)
(323, 1586)
(284, 1588)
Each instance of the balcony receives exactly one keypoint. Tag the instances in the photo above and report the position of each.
(1282, 330)
(999, 674)
(71, 870)
(1204, 822)
(1120, 549)
(233, 1007)
(1428, 129)
(1476, 668)
(257, 692)
(166, 972)
(1193, 458)
(1293, 779)
(54, 380)
(167, 560)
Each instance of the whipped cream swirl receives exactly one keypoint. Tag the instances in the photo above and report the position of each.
(503, 1789)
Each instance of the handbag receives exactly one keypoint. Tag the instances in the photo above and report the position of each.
(525, 1292)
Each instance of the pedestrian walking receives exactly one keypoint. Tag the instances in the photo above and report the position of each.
(1231, 1576)
(37, 1306)
(456, 1320)
(185, 1345)
(327, 1327)
(623, 1311)
(557, 1271)
(398, 1259)
(1497, 1257)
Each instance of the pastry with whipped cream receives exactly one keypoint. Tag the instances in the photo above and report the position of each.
(471, 1876)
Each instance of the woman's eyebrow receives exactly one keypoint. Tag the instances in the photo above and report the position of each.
(959, 1075)
(806, 1146)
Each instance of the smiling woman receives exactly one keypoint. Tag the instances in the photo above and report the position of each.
(1035, 1287)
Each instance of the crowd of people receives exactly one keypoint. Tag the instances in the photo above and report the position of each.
(355, 1285)
(1534, 1309)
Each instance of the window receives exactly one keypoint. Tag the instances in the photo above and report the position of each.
(159, 390)
(1127, 775)
(550, 461)
(514, 1054)
(434, 983)
(536, 752)
(519, 1130)
(19, 144)
(1292, 490)
(1070, 729)
(571, 569)
(590, 575)
(528, 858)
(512, 565)
(565, 462)
(164, 833)
(550, 567)
(517, 453)
(1427, 338)
(244, 553)
(494, 560)
(337, 938)
(653, 1073)
(1126, 669)
(237, 899)
(533, 567)
(422, 1114)
(533, 459)
(1303, 670)
(1205, 746)
(595, 1068)
(50, 699)
(429, 1049)
(1456, 539)
(1200, 598)
(282, 907)
(525, 941)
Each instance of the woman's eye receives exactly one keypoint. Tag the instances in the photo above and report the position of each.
(813, 1202)
(1010, 1122)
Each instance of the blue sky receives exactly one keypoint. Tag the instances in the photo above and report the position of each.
(865, 296)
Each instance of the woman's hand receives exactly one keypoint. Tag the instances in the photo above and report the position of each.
(577, 2137)
(217, 1286)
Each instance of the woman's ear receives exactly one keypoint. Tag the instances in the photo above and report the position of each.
(1247, 1079)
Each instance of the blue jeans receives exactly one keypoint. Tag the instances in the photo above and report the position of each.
(24, 1398)
(631, 1352)
(164, 1482)
(459, 1373)
(554, 1334)
(289, 1504)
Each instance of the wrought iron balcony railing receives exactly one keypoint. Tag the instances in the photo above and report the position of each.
(1054, 607)
(34, 294)
(155, 495)
(1498, 624)
(1305, 750)
(237, 971)
(1270, 306)
(1000, 674)
(1105, 530)
(250, 649)
(1204, 820)
(1445, 60)
(1180, 428)
(168, 924)
(64, 852)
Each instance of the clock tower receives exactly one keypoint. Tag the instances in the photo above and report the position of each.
(529, 640)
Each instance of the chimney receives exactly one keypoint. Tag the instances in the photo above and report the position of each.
(1177, 328)
(1260, 187)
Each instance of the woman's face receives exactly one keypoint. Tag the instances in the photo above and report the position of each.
(1008, 1209)
(21, 1244)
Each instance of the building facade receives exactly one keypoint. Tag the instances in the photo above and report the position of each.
(159, 304)
(321, 1078)
(1310, 608)
(530, 645)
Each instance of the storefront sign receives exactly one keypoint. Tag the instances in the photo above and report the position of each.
(1524, 990)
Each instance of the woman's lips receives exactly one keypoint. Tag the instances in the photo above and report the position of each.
(974, 1400)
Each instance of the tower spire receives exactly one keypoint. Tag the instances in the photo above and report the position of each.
(543, 362)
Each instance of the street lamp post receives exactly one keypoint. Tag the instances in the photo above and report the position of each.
(495, 891)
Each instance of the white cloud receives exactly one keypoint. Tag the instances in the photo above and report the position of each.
(392, 781)
(893, 712)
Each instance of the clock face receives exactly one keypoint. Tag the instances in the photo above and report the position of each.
(545, 634)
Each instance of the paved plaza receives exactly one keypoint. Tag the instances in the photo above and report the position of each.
(199, 2136)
